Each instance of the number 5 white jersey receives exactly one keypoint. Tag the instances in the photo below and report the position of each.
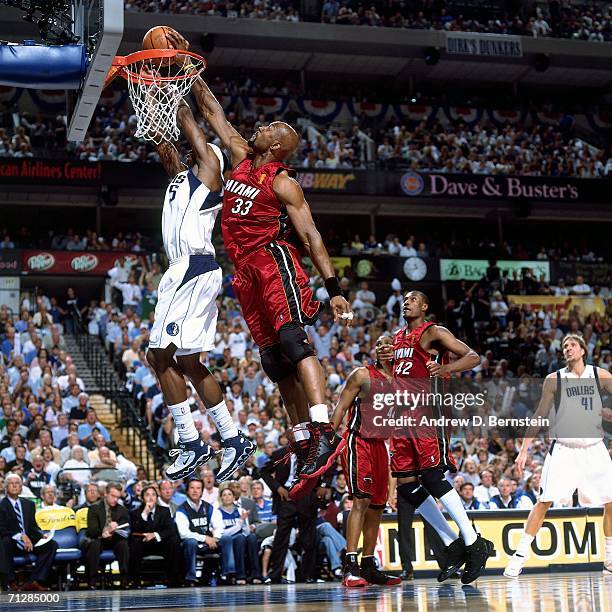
(186, 310)
(190, 211)
(576, 419)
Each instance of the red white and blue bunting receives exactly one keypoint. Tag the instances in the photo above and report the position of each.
(369, 109)
(9, 95)
(320, 111)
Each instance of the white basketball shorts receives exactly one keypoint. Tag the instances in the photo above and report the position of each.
(186, 310)
(567, 468)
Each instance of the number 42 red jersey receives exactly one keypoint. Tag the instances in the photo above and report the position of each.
(252, 216)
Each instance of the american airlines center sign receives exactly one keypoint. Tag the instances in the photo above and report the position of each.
(500, 187)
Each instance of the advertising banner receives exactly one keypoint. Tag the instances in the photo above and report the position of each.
(483, 45)
(10, 262)
(81, 263)
(458, 187)
(475, 269)
(568, 537)
(585, 305)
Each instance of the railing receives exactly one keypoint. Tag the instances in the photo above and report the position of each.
(133, 426)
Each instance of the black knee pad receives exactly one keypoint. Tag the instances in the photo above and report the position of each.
(435, 482)
(413, 492)
(275, 364)
(294, 343)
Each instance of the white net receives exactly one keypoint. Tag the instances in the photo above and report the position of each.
(156, 86)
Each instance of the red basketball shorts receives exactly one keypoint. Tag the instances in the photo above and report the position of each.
(411, 456)
(273, 290)
(366, 465)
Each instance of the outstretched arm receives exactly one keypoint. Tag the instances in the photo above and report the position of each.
(213, 112)
(170, 158)
(290, 193)
(544, 407)
(194, 134)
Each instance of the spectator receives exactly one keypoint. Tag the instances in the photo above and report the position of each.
(466, 492)
(581, 288)
(485, 491)
(505, 499)
(153, 533)
(198, 532)
(236, 545)
(19, 533)
(107, 528)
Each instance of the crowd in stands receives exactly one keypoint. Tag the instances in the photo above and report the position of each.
(71, 240)
(426, 146)
(52, 439)
(590, 21)
(409, 245)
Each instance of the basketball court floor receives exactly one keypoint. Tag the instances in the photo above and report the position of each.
(533, 592)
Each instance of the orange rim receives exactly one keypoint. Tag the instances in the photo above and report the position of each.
(122, 63)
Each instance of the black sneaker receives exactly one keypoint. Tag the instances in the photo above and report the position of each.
(477, 556)
(325, 446)
(456, 556)
(373, 575)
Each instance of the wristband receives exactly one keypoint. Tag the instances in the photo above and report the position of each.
(333, 287)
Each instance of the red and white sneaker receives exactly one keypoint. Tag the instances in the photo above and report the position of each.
(352, 579)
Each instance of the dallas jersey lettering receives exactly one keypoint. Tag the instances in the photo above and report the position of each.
(578, 408)
(582, 461)
(252, 216)
(186, 310)
(189, 214)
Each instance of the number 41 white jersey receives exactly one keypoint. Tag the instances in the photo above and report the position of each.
(576, 419)
(189, 214)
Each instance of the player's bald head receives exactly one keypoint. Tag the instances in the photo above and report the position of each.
(287, 137)
(277, 138)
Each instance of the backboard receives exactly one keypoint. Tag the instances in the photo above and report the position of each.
(99, 25)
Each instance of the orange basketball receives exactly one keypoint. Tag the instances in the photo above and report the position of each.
(156, 38)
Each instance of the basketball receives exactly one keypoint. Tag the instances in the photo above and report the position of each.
(156, 38)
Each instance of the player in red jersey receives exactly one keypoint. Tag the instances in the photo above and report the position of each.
(261, 198)
(365, 461)
(420, 459)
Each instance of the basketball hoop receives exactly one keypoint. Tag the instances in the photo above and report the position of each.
(158, 79)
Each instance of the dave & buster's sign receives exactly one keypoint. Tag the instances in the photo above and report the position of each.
(497, 187)
(70, 262)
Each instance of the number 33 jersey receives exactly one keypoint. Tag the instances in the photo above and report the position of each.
(252, 216)
(190, 211)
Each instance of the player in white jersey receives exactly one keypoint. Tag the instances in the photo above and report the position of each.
(186, 311)
(578, 462)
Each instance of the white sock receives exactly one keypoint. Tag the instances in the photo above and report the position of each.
(608, 550)
(524, 547)
(452, 504)
(431, 513)
(221, 416)
(300, 432)
(319, 413)
(184, 422)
